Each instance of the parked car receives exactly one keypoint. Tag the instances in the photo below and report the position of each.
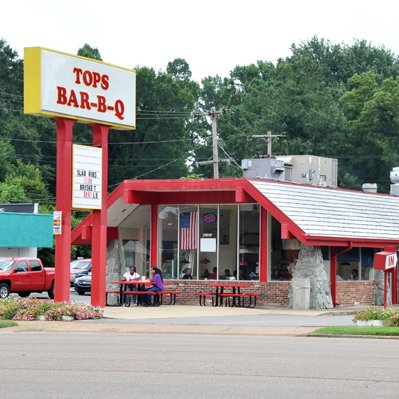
(79, 267)
(83, 284)
(25, 275)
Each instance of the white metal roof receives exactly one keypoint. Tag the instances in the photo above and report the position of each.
(327, 212)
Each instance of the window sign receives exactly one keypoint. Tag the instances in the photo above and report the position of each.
(86, 178)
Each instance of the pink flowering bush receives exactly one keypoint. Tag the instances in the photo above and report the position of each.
(33, 308)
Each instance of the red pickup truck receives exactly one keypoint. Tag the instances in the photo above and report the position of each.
(25, 275)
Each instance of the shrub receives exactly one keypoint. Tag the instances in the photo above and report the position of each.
(33, 308)
(390, 316)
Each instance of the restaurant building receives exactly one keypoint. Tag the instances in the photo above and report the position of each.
(252, 230)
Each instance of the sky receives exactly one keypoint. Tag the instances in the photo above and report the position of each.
(213, 36)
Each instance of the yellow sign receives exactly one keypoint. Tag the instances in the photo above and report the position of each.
(68, 86)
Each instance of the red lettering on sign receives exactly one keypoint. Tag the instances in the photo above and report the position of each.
(96, 78)
(87, 78)
(61, 95)
(84, 100)
(90, 78)
(73, 101)
(105, 82)
(101, 106)
(119, 109)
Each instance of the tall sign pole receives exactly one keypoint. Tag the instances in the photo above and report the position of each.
(99, 233)
(63, 205)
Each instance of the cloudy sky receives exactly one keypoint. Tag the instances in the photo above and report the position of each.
(213, 36)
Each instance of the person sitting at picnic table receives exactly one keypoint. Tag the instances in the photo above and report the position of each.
(157, 280)
(131, 275)
(188, 274)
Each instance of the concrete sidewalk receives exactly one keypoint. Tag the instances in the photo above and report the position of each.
(183, 319)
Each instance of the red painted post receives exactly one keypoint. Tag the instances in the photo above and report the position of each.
(385, 288)
(263, 246)
(395, 285)
(154, 235)
(63, 204)
(99, 236)
(333, 275)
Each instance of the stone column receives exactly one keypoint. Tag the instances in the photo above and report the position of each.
(115, 267)
(310, 265)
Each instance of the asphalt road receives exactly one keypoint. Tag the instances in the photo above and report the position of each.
(107, 365)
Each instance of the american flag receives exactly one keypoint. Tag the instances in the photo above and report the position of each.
(188, 230)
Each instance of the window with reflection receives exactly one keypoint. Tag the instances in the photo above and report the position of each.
(188, 238)
(249, 219)
(168, 231)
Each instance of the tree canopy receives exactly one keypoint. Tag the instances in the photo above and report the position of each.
(332, 100)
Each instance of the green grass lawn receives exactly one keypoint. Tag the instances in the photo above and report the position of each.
(7, 323)
(355, 330)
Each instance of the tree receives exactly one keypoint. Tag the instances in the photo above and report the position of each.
(372, 110)
(161, 144)
(89, 52)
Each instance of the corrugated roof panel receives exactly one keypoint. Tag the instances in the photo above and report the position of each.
(321, 211)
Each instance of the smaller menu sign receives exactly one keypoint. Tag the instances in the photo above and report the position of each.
(86, 177)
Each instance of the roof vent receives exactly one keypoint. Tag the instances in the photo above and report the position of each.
(369, 187)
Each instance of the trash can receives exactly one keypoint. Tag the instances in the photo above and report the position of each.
(300, 293)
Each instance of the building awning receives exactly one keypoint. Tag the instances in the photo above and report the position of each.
(314, 215)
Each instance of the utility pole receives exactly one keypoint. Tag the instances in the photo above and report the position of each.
(215, 150)
(268, 137)
(213, 114)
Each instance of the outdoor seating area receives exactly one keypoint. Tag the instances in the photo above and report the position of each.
(158, 296)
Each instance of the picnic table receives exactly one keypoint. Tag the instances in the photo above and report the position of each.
(231, 293)
(141, 285)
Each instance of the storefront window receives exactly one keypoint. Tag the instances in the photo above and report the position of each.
(248, 264)
(188, 236)
(356, 264)
(208, 233)
(135, 234)
(284, 253)
(228, 240)
(168, 230)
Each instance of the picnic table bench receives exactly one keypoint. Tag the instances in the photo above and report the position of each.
(250, 295)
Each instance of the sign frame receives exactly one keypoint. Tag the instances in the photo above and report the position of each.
(58, 84)
(87, 169)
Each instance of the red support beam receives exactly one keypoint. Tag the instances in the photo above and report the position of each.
(63, 204)
(263, 247)
(333, 275)
(154, 236)
(99, 218)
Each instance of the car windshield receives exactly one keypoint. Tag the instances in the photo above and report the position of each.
(6, 264)
(81, 265)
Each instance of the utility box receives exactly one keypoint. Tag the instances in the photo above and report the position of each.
(300, 293)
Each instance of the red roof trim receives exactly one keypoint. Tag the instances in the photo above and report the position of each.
(217, 191)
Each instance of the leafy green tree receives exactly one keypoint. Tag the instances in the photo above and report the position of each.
(161, 144)
(90, 52)
(373, 119)
(28, 178)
